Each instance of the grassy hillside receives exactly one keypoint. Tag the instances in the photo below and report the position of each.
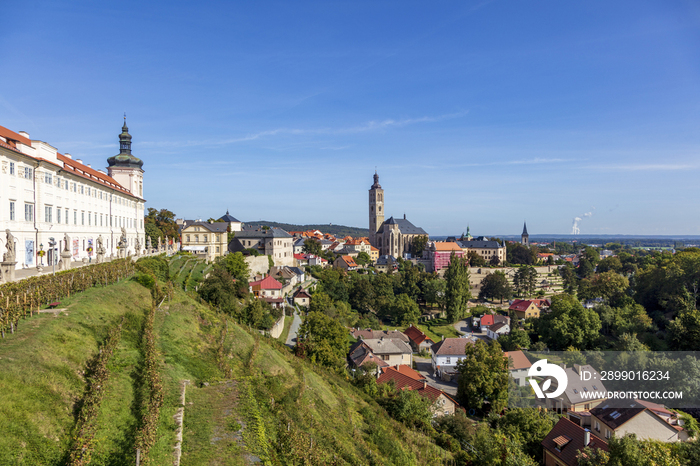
(248, 396)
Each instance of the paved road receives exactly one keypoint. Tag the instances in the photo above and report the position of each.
(292, 336)
(425, 368)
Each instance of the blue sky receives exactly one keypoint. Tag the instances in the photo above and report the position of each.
(479, 113)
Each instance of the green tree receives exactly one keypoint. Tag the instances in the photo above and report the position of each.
(525, 281)
(516, 253)
(585, 268)
(434, 292)
(609, 264)
(606, 285)
(483, 377)
(418, 245)
(591, 255)
(252, 314)
(320, 302)
(568, 276)
(684, 330)
(236, 265)
(475, 259)
(527, 425)
(363, 258)
(409, 407)
(516, 340)
(312, 246)
(568, 324)
(495, 286)
(323, 340)
(457, 293)
(404, 310)
(362, 296)
(219, 290)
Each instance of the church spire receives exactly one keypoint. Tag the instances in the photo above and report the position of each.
(125, 139)
(376, 184)
(125, 158)
(525, 229)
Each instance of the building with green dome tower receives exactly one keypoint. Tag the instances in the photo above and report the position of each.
(126, 168)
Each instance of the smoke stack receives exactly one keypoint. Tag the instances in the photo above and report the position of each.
(425, 384)
(586, 437)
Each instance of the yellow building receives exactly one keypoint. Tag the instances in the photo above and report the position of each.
(209, 240)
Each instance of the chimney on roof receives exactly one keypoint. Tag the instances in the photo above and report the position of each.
(586, 437)
(89, 166)
(66, 154)
(425, 384)
(79, 161)
(577, 368)
(443, 337)
(24, 133)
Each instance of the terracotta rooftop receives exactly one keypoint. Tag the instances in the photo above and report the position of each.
(517, 360)
(416, 335)
(267, 283)
(451, 346)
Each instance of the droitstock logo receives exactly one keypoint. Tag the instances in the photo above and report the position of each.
(542, 369)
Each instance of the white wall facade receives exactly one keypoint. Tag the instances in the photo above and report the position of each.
(47, 198)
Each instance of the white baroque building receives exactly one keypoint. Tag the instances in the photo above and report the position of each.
(46, 194)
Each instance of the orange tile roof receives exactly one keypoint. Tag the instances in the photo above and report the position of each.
(445, 246)
(350, 261)
(267, 283)
(11, 135)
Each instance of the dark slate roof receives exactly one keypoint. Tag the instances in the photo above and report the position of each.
(525, 229)
(229, 218)
(216, 227)
(296, 270)
(235, 246)
(386, 260)
(615, 417)
(260, 233)
(405, 227)
(474, 244)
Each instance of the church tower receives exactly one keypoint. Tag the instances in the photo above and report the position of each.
(525, 238)
(376, 211)
(124, 167)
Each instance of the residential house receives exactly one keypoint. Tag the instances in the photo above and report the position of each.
(290, 275)
(315, 260)
(269, 290)
(386, 264)
(373, 254)
(439, 254)
(496, 330)
(447, 353)
(390, 350)
(488, 320)
(302, 298)
(346, 263)
(417, 339)
(518, 365)
(358, 246)
(572, 400)
(406, 378)
(524, 308)
(207, 239)
(368, 334)
(301, 260)
(325, 244)
(273, 242)
(563, 443)
(643, 421)
(298, 246)
(361, 354)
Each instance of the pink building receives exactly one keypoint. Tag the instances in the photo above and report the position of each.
(439, 254)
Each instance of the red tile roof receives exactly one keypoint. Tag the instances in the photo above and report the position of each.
(487, 320)
(267, 283)
(11, 135)
(405, 382)
(349, 261)
(565, 451)
(416, 335)
(521, 305)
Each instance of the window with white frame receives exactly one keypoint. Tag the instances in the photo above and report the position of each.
(82, 218)
(89, 218)
(47, 213)
(28, 212)
(75, 217)
(28, 173)
(12, 168)
(66, 216)
(48, 179)
(12, 210)
(82, 189)
(58, 215)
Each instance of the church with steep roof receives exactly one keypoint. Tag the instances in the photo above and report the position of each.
(392, 237)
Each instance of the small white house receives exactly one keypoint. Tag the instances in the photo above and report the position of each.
(496, 330)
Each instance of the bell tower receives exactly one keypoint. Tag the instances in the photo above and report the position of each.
(124, 167)
(524, 237)
(376, 211)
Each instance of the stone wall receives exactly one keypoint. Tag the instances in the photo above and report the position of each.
(257, 265)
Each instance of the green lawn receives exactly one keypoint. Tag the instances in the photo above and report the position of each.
(436, 329)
